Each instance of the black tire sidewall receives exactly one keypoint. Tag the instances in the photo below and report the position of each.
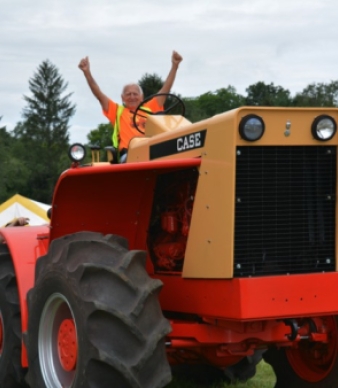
(11, 371)
(9, 338)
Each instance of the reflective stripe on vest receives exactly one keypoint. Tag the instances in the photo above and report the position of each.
(116, 132)
(115, 135)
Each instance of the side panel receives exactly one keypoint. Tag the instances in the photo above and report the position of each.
(209, 251)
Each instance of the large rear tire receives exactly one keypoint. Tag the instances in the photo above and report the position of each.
(94, 317)
(11, 372)
(311, 365)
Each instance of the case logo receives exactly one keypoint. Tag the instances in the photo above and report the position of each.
(189, 142)
(179, 144)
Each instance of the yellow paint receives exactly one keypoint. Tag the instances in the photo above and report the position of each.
(209, 252)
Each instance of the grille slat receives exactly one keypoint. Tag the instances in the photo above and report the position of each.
(285, 210)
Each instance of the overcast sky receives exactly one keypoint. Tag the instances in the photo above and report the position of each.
(291, 43)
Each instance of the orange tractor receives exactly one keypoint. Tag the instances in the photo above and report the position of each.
(233, 218)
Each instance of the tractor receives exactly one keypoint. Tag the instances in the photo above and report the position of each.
(212, 244)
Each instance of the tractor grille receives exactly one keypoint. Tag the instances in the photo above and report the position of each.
(285, 210)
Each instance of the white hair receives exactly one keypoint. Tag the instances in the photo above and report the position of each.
(132, 84)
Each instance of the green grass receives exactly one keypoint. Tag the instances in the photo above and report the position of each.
(264, 378)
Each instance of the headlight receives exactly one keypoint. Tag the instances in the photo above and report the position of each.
(251, 128)
(77, 152)
(323, 128)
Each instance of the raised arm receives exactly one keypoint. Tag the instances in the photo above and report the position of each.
(94, 87)
(176, 59)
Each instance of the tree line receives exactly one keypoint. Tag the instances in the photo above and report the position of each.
(34, 153)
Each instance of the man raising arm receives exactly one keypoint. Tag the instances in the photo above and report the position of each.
(132, 95)
(176, 59)
(94, 87)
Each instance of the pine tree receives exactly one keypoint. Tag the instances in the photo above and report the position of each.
(44, 130)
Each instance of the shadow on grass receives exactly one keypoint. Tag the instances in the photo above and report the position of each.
(210, 377)
(197, 376)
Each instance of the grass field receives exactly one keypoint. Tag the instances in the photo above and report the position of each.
(264, 378)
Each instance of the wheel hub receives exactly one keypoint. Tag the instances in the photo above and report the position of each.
(314, 361)
(67, 344)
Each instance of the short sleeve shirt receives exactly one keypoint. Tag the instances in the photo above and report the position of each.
(127, 127)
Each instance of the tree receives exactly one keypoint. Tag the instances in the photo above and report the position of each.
(102, 137)
(192, 110)
(320, 94)
(222, 100)
(44, 130)
(261, 94)
(211, 103)
(5, 145)
(13, 172)
(150, 84)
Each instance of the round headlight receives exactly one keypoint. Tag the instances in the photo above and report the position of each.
(77, 152)
(323, 128)
(251, 128)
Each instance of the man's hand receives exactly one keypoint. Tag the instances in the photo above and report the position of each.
(84, 64)
(94, 87)
(176, 58)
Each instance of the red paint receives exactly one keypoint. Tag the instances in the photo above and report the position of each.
(67, 345)
(235, 315)
(109, 199)
(243, 299)
(313, 362)
(25, 244)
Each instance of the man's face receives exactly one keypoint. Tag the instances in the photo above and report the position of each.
(131, 96)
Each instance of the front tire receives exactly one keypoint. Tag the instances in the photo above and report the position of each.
(311, 365)
(94, 317)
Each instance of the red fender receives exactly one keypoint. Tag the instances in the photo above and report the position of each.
(109, 198)
(25, 244)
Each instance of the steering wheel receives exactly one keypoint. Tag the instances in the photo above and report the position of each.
(143, 112)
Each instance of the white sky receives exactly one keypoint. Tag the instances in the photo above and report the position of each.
(291, 43)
